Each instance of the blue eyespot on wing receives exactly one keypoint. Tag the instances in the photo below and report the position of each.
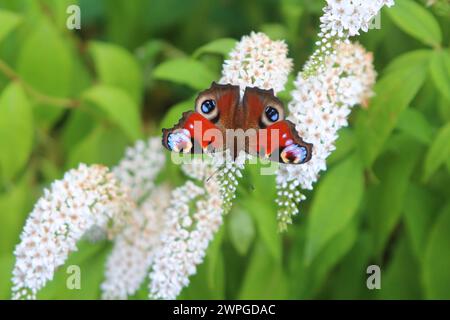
(294, 154)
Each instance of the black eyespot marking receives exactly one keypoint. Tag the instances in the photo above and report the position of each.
(208, 106)
(272, 114)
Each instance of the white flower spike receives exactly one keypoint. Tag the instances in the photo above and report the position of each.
(86, 197)
(257, 61)
(320, 106)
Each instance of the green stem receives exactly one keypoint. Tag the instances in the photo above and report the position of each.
(36, 94)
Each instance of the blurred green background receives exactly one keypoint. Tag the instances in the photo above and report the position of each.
(82, 96)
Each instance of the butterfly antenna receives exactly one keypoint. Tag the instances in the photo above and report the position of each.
(214, 173)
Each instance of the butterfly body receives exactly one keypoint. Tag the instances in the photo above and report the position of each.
(222, 120)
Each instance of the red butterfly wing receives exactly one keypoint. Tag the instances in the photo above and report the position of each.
(277, 138)
(206, 126)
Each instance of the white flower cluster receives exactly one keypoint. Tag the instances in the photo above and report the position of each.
(139, 167)
(185, 238)
(319, 108)
(87, 196)
(186, 235)
(133, 251)
(257, 61)
(223, 169)
(345, 18)
(341, 20)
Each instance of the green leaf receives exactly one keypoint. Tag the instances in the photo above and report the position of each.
(401, 278)
(119, 108)
(220, 46)
(448, 165)
(335, 203)
(117, 67)
(241, 230)
(16, 131)
(126, 21)
(214, 262)
(264, 278)
(348, 280)
(333, 252)
(6, 267)
(416, 125)
(103, 145)
(437, 261)
(185, 71)
(438, 153)
(266, 223)
(47, 68)
(311, 277)
(408, 59)
(416, 21)
(261, 205)
(386, 199)
(14, 207)
(78, 125)
(292, 11)
(345, 144)
(275, 31)
(175, 112)
(440, 72)
(443, 109)
(9, 21)
(394, 92)
(420, 204)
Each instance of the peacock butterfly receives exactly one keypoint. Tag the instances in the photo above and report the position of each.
(256, 124)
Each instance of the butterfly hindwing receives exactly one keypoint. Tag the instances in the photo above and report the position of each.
(285, 145)
(277, 138)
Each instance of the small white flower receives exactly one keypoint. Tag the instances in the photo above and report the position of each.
(257, 61)
(139, 167)
(348, 17)
(86, 197)
(320, 106)
(342, 19)
(133, 252)
(173, 259)
(187, 233)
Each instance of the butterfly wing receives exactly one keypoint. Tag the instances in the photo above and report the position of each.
(277, 138)
(206, 126)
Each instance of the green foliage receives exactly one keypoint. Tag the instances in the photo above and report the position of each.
(333, 208)
(220, 46)
(415, 20)
(394, 92)
(36, 62)
(9, 21)
(440, 72)
(386, 199)
(264, 278)
(241, 231)
(439, 151)
(437, 264)
(416, 125)
(82, 96)
(16, 131)
(116, 67)
(185, 71)
(118, 107)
